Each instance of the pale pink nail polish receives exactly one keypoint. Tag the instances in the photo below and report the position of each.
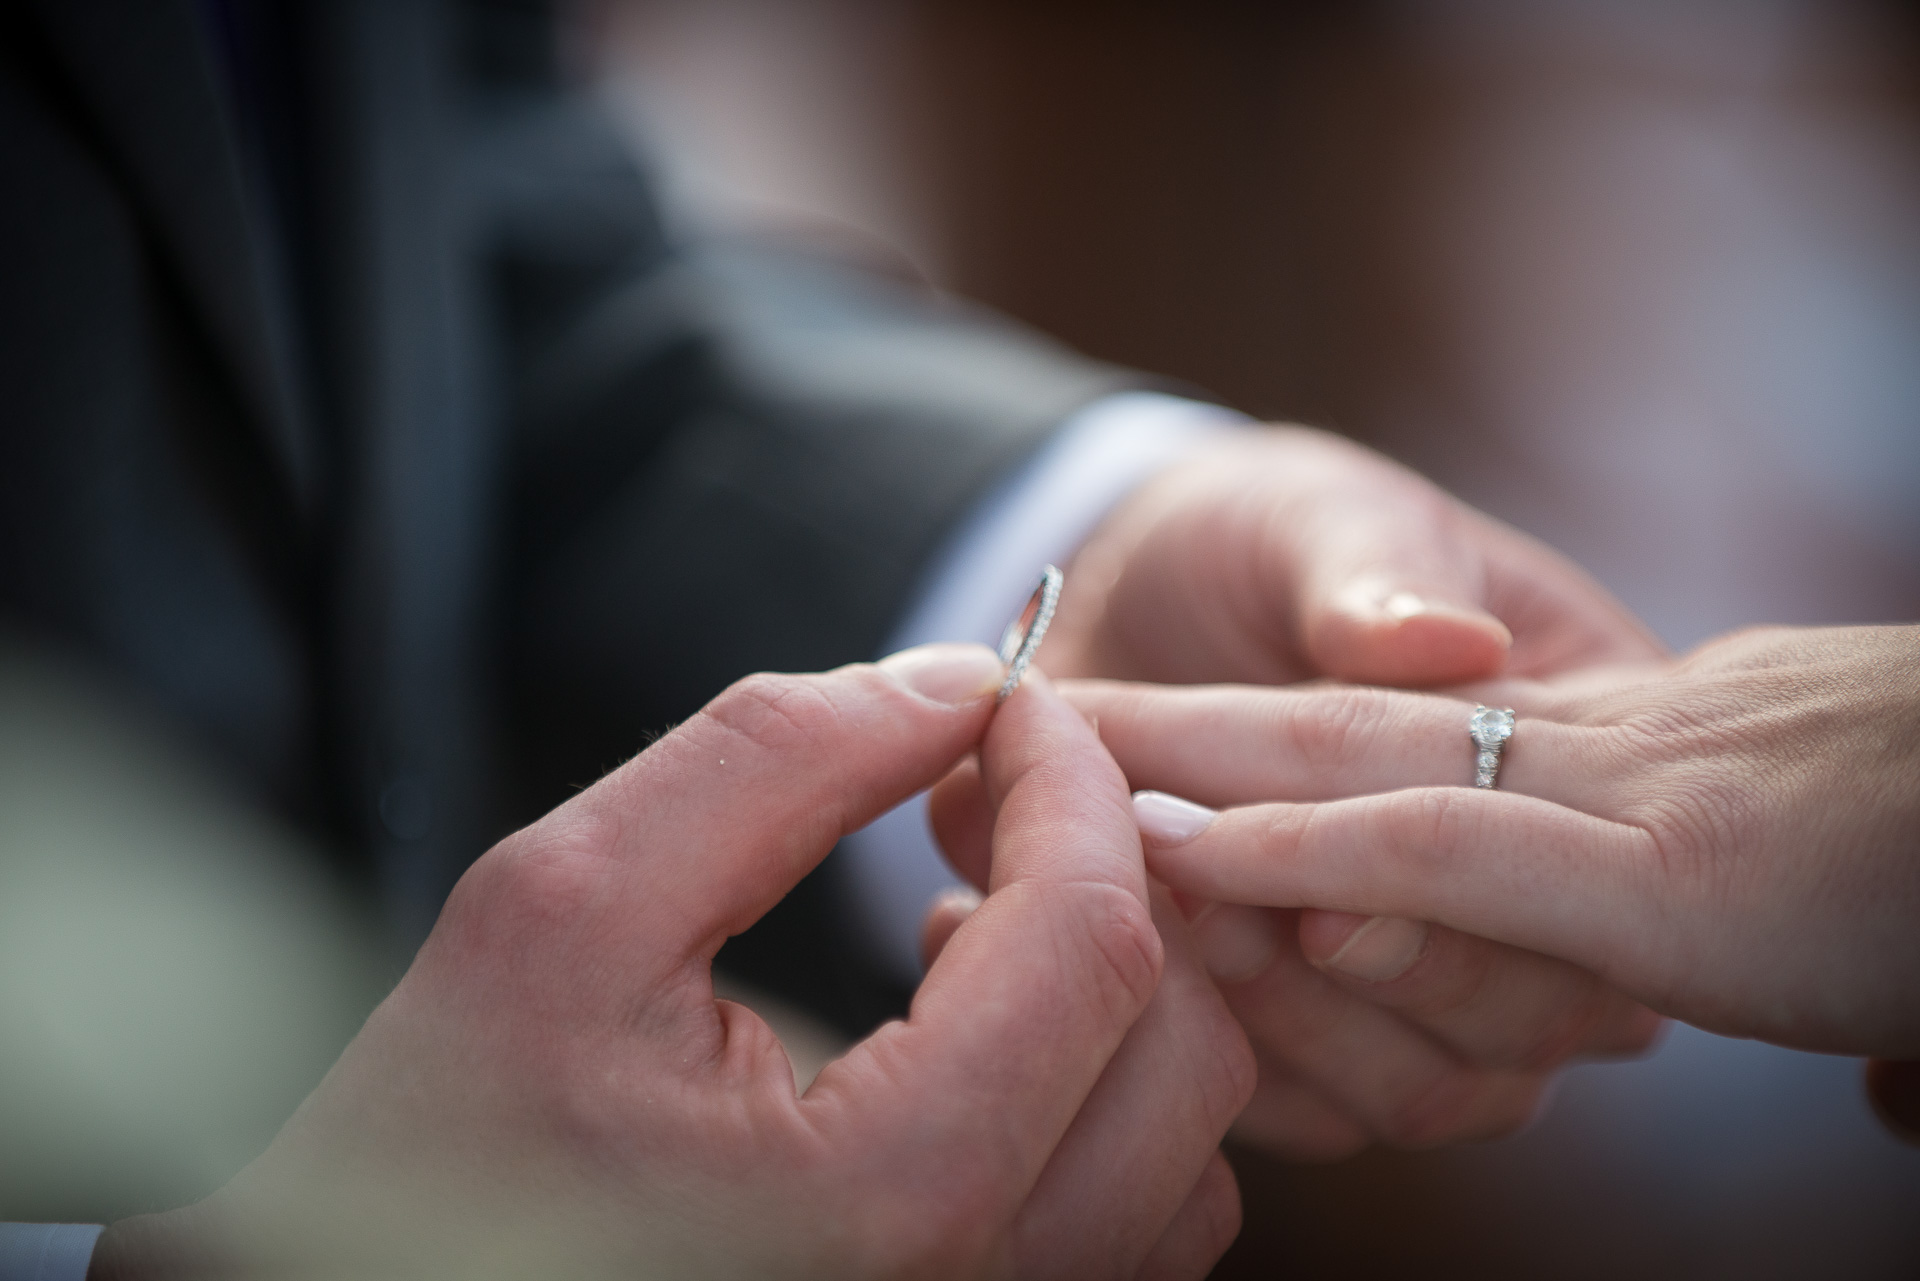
(1168, 820)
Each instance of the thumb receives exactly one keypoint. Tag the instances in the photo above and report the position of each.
(1387, 594)
(1386, 627)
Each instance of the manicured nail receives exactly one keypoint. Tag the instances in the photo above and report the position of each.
(1168, 820)
(1381, 950)
(947, 673)
(1237, 942)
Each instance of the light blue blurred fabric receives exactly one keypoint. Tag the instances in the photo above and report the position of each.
(46, 1251)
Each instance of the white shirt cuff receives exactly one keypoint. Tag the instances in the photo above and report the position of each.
(980, 578)
(47, 1251)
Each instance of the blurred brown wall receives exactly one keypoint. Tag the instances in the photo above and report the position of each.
(1448, 240)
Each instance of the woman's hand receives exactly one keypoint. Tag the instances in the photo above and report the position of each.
(1733, 839)
(553, 1089)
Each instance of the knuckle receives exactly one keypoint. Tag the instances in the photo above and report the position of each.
(776, 713)
(1426, 827)
(1123, 947)
(1331, 728)
(529, 882)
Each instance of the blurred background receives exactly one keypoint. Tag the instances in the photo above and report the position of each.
(1640, 276)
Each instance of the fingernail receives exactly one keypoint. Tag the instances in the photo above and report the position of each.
(1403, 605)
(1236, 942)
(1381, 950)
(1168, 820)
(945, 673)
(961, 900)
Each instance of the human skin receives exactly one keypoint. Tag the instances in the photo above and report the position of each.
(1282, 555)
(1733, 838)
(552, 1088)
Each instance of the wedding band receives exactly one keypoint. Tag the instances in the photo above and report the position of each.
(1024, 634)
(1490, 728)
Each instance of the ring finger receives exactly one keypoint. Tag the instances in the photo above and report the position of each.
(1239, 744)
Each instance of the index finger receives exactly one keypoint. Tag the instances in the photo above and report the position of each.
(1503, 866)
(1028, 1001)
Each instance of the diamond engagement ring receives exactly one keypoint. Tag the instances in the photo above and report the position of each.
(1024, 634)
(1490, 728)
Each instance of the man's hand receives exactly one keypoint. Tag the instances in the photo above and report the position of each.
(1730, 839)
(553, 1090)
(1287, 555)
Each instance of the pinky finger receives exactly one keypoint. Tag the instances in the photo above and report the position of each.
(1202, 1229)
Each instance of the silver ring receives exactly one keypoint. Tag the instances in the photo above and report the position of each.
(1024, 634)
(1490, 728)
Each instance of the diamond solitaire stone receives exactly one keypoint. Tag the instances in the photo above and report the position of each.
(1491, 727)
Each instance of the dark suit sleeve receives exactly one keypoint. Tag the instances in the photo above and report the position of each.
(735, 459)
(729, 459)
